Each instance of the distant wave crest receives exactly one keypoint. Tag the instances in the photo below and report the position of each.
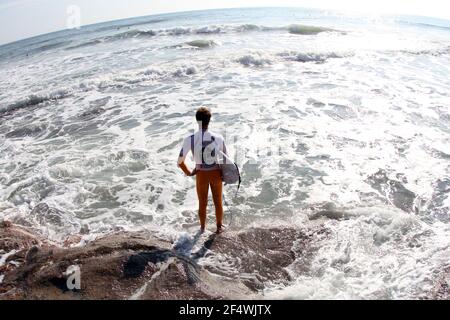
(306, 30)
(430, 52)
(201, 43)
(33, 100)
(312, 56)
(206, 30)
(253, 60)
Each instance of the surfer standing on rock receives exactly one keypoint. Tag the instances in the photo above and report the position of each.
(205, 145)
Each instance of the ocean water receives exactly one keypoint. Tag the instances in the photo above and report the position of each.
(334, 119)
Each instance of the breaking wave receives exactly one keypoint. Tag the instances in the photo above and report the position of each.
(33, 100)
(213, 29)
(134, 34)
(201, 43)
(312, 56)
(253, 60)
(85, 44)
(431, 52)
(306, 30)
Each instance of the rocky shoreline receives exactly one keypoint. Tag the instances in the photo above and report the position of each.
(127, 265)
(138, 265)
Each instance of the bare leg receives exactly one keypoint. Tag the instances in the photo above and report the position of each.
(202, 183)
(216, 188)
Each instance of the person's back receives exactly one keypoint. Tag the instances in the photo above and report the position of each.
(205, 146)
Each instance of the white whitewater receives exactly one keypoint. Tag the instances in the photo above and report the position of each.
(91, 122)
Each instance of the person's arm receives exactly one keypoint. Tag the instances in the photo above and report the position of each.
(182, 156)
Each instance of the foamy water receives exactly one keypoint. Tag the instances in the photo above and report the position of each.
(333, 118)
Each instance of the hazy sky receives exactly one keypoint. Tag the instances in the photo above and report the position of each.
(25, 18)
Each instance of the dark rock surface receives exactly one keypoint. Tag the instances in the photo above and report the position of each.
(124, 265)
(441, 290)
(394, 190)
(140, 266)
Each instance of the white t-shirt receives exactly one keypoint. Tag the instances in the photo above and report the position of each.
(205, 146)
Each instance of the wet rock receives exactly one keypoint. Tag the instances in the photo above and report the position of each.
(14, 244)
(396, 192)
(15, 238)
(5, 224)
(437, 205)
(441, 289)
(30, 257)
(137, 265)
(72, 240)
(261, 255)
(327, 210)
(101, 270)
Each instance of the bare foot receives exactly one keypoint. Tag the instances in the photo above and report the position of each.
(220, 229)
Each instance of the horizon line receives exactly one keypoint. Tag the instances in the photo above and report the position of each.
(217, 9)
